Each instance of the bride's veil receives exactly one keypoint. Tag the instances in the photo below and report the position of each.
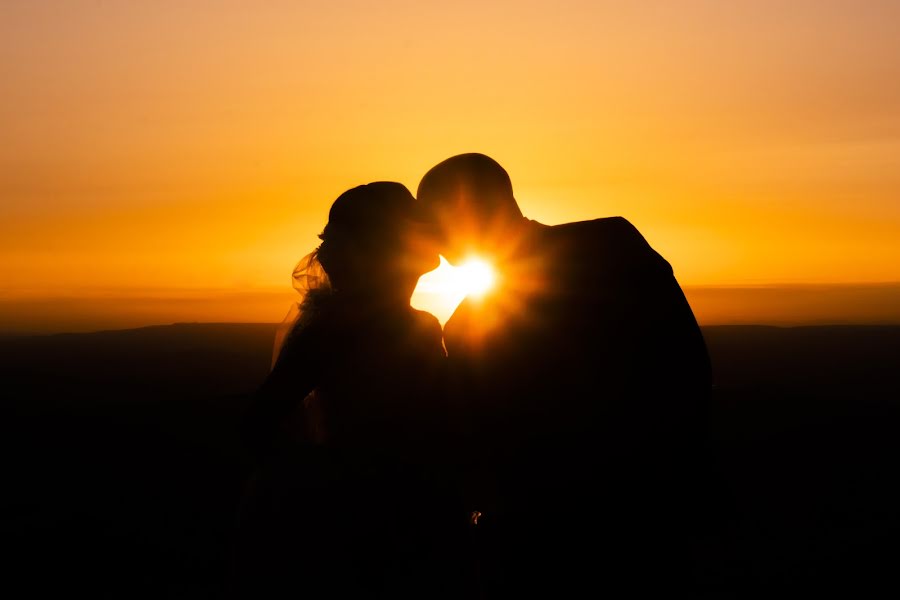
(310, 280)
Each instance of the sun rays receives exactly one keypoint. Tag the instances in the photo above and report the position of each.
(475, 277)
(441, 290)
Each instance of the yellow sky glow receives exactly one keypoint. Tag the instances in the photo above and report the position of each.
(196, 146)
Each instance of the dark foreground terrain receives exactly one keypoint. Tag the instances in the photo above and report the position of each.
(121, 465)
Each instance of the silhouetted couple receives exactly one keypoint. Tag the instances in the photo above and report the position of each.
(557, 447)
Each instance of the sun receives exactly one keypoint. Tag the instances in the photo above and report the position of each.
(440, 291)
(476, 277)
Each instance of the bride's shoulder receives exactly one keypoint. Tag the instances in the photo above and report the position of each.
(425, 319)
(426, 324)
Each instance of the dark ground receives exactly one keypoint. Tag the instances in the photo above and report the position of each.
(122, 469)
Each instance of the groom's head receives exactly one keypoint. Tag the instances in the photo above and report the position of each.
(470, 200)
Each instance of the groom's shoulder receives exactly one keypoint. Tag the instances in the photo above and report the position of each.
(605, 231)
(613, 238)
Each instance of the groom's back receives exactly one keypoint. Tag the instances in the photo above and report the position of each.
(622, 355)
(619, 303)
(607, 329)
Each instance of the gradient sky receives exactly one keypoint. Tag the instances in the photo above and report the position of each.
(166, 148)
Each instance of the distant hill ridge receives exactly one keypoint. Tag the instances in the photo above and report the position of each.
(214, 359)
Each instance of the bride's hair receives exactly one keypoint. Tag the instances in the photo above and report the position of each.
(364, 223)
(364, 227)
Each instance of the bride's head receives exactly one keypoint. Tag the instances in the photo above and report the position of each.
(376, 241)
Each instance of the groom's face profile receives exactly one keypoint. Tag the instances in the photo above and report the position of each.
(456, 229)
(469, 200)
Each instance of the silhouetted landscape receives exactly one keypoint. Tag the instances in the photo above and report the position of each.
(123, 467)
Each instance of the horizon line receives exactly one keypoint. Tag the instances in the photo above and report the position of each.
(37, 333)
(174, 292)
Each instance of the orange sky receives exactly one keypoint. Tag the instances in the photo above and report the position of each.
(168, 148)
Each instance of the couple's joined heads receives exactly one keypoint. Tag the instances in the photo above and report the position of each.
(379, 231)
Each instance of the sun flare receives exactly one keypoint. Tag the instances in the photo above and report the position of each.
(440, 291)
(475, 277)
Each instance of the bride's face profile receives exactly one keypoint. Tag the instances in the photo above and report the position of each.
(418, 251)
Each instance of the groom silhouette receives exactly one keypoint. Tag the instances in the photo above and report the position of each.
(585, 381)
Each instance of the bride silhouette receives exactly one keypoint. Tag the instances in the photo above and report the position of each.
(349, 431)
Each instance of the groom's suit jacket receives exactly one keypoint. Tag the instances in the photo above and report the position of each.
(586, 360)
